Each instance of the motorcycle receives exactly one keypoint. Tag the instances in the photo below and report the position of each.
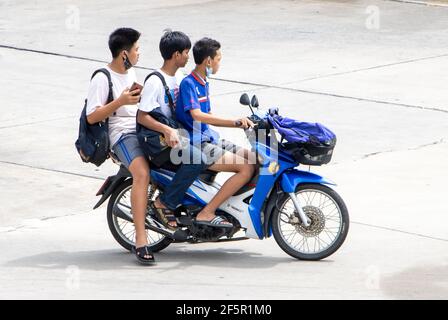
(308, 219)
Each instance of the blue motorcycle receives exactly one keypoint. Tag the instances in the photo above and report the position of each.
(307, 218)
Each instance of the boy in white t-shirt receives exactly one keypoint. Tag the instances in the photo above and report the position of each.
(123, 44)
(174, 47)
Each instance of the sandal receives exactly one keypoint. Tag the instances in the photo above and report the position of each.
(164, 216)
(217, 221)
(144, 255)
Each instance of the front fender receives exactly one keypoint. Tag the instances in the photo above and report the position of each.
(290, 179)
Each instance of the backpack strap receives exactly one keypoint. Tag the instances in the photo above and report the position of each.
(110, 97)
(167, 90)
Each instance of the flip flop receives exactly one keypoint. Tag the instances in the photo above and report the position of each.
(217, 221)
(141, 252)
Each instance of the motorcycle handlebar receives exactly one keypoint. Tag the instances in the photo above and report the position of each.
(258, 123)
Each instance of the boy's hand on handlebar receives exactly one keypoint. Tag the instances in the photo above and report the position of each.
(244, 123)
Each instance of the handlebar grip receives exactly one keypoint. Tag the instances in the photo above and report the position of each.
(238, 123)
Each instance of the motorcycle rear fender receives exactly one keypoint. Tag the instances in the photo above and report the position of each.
(111, 184)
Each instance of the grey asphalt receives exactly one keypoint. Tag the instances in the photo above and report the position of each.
(373, 71)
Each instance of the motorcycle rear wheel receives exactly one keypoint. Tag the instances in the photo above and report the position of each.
(122, 230)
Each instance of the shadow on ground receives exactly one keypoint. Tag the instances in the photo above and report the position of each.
(118, 259)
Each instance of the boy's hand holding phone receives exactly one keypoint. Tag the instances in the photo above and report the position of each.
(136, 89)
(129, 96)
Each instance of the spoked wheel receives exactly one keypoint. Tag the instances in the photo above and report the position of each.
(119, 218)
(328, 228)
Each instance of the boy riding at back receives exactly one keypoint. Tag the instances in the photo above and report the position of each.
(121, 113)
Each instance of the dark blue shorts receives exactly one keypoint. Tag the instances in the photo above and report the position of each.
(127, 149)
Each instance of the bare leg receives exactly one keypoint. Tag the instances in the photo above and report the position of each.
(139, 169)
(243, 173)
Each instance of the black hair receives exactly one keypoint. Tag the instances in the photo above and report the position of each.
(122, 39)
(204, 48)
(173, 41)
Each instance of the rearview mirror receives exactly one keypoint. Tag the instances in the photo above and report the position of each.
(254, 101)
(244, 99)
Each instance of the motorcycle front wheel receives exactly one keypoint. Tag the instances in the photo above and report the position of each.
(329, 223)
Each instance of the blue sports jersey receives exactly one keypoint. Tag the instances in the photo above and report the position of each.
(194, 94)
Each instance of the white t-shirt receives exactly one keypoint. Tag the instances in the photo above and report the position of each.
(154, 96)
(123, 120)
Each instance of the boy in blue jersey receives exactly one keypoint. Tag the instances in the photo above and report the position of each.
(193, 111)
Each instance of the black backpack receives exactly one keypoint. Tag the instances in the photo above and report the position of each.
(152, 142)
(93, 139)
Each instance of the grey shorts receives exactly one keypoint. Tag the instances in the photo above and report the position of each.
(213, 152)
(127, 149)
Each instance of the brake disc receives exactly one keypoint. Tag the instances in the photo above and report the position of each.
(317, 222)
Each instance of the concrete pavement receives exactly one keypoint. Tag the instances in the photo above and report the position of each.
(380, 89)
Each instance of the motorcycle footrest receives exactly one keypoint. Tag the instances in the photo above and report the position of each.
(180, 235)
(184, 220)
